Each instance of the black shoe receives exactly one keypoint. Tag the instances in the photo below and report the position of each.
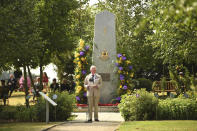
(90, 121)
(96, 120)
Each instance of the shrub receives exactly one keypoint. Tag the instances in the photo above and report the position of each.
(37, 112)
(144, 83)
(65, 106)
(7, 112)
(141, 105)
(177, 109)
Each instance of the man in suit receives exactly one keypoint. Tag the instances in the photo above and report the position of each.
(93, 83)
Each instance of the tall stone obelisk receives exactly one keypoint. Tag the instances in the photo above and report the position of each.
(104, 54)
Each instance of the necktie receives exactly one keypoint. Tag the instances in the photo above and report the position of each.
(93, 78)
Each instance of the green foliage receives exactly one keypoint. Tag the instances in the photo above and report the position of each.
(65, 106)
(140, 105)
(37, 112)
(144, 83)
(163, 83)
(177, 109)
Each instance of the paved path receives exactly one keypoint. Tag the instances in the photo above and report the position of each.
(109, 121)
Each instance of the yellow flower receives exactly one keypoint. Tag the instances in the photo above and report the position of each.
(79, 63)
(77, 70)
(78, 76)
(119, 61)
(77, 83)
(120, 86)
(132, 74)
(83, 59)
(78, 89)
(119, 71)
(127, 73)
(81, 43)
(77, 54)
(128, 62)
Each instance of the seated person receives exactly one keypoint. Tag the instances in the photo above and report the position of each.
(54, 86)
(65, 86)
(4, 90)
(38, 88)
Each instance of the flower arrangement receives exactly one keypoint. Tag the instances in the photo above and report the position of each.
(82, 61)
(125, 75)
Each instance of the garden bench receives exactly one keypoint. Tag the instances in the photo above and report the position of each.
(169, 88)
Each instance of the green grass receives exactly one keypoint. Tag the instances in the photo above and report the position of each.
(21, 126)
(175, 125)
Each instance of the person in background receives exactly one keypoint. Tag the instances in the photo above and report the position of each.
(93, 83)
(65, 86)
(54, 86)
(38, 88)
(45, 81)
(11, 84)
(4, 91)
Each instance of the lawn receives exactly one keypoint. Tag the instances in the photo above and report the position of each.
(22, 126)
(173, 125)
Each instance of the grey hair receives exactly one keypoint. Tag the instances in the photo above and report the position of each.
(93, 66)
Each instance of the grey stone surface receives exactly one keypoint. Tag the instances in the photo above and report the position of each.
(104, 54)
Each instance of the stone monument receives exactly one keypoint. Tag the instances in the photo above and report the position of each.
(104, 54)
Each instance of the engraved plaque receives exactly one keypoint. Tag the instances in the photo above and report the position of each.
(105, 76)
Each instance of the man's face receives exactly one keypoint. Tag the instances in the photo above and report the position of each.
(93, 71)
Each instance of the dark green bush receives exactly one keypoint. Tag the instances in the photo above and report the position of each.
(65, 106)
(141, 105)
(37, 112)
(177, 109)
(7, 112)
(144, 83)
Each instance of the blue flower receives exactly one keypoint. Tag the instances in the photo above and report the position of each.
(81, 53)
(87, 47)
(130, 67)
(124, 58)
(83, 72)
(116, 64)
(119, 55)
(85, 94)
(124, 87)
(118, 98)
(77, 98)
(120, 68)
(121, 77)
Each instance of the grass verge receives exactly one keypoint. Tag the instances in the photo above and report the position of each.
(23, 126)
(172, 125)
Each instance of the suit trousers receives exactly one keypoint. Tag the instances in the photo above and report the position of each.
(93, 102)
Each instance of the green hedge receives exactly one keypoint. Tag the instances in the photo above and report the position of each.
(177, 109)
(37, 112)
(141, 105)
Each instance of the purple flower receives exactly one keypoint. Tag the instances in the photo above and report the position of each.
(124, 58)
(121, 77)
(116, 64)
(119, 55)
(81, 53)
(120, 68)
(118, 98)
(85, 94)
(77, 98)
(83, 72)
(137, 95)
(130, 67)
(124, 87)
(87, 47)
